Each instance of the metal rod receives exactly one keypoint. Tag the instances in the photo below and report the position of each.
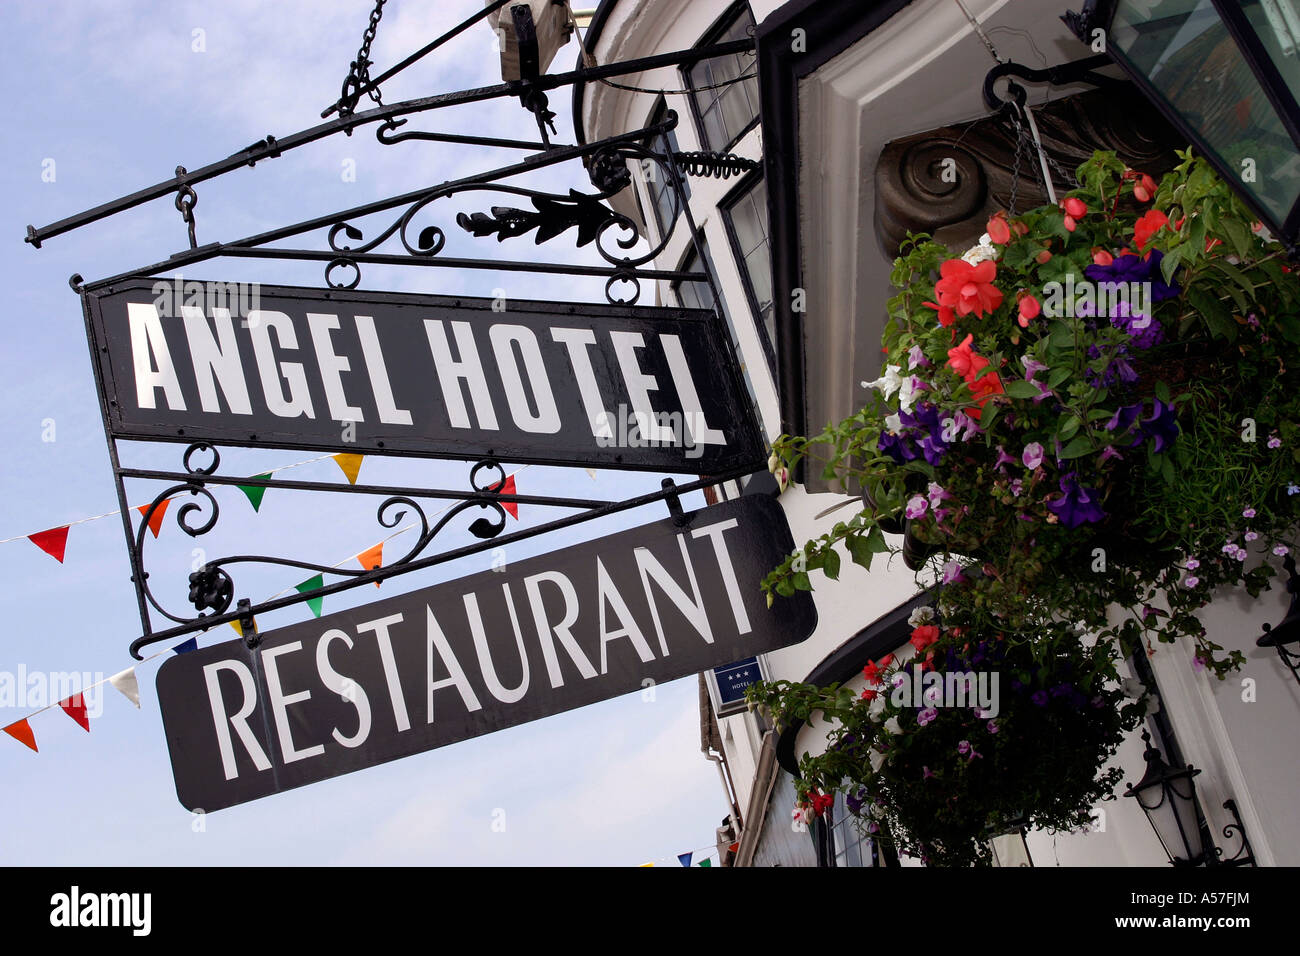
(528, 164)
(417, 564)
(292, 485)
(271, 148)
(420, 53)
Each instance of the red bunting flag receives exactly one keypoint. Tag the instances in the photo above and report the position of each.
(155, 522)
(372, 558)
(508, 488)
(52, 542)
(22, 732)
(75, 707)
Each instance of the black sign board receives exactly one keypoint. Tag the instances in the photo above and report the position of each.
(553, 383)
(477, 654)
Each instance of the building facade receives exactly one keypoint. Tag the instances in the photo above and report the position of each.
(850, 108)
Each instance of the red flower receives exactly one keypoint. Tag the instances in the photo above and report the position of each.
(821, 802)
(1028, 309)
(982, 389)
(966, 288)
(1148, 226)
(1076, 208)
(924, 636)
(998, 229)
(1144, 188)
(1101, 257)
(1043, 258)
(1070, 224)
(965, 362)
(870, 694)
(946, 315)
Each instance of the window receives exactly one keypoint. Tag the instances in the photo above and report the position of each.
(851, 844)
(725, 106)
(658, 181)
(746, 218)
(698, 295)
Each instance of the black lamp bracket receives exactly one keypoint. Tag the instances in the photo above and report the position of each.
(1078, 71)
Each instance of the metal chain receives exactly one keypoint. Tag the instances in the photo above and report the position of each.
(361, 66)
(1015, 169)
(186, 200)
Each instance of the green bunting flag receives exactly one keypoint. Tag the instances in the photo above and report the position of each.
(255, 492)
(706, 863)
(311, 584)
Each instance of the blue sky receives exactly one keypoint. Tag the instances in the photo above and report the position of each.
(112, 99)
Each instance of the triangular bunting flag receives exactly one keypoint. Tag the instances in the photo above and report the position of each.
(22, 732)
(127, 684)
(509, 489)
(591, 473)
(255, 492)
(75, 707)
(155, 523)
(52, 542)
(706, 862)
(351, 465)
(311, 584)
(238, 630)
(372, 558)
(685, 858)
(191, 645)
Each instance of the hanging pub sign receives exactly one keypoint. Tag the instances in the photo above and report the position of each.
(478, 654)
(551, 383)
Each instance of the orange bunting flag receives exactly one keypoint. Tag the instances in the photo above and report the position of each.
(351, 465)
(22, 732)
(75, 707)
(155, 523)
(508, 488)
(372, 558)
(52, 542)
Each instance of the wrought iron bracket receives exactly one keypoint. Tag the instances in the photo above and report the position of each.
(1285, 638)
(1237, 828)
(1078, 71)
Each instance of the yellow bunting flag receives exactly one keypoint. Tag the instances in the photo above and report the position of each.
(351, 465)
(372, 558)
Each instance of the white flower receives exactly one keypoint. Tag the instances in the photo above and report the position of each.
(894, 423)
(1132, 687)
(890, 382)
(907, 393)
(979, 253)
(922, 615)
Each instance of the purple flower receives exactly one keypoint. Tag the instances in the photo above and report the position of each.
(1003, 458)
(1275, 442)
(1193, 564)
(937, 494)
(1032, 455)
(1039, 698)
(1162, 424)
(1281, 550)
(1248, 513)
(1076, 505)
(1292, 490)
(926, 773)
(1134, 268)
(1191, 580)
(1017, 486)
(925, 716)
(1032, 367)
(964, 747)
(966, 425)
(1109, 452)
(854, 801)
(952, 573)
(993, 726)
(916, 358)
(916, 507)
(1145, 331)
(1124, 418)
(1043, 392)
(1251, 536)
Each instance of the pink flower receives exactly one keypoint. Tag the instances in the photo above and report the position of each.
(1074, 207)
(993, 726)
(1281, 550)
(1248, 513)
(965, 288)
(1191, 581)
(925, 716)
(1193, 564)
(916, 507)
(1251, 536)
(1032, 455)
(1275, 442)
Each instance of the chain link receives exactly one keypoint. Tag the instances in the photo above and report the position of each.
(1021, 135)
(361, 66)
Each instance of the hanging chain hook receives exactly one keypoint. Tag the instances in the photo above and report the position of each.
(359, 70)
(186, 200)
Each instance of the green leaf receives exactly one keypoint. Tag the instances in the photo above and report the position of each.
(1079, 447)
(1021, 389)
(801, 581)
(831, 567)
(1238, 234)
(1170, 262)
(860, 550)
(1162, 392)
(1057, 376)
(1069, 426)
(1060, 336)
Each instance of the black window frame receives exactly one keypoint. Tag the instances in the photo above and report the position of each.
(725, 206)
(657, 112)
(719, 27)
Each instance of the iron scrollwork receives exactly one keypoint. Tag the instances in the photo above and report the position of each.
(212, 587)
